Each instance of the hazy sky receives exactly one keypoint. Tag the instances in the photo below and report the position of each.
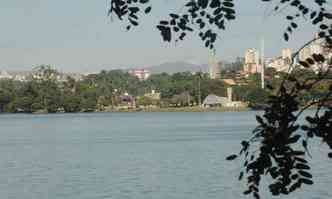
(77, 35)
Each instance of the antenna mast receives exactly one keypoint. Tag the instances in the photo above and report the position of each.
(262, 63)
(199, 88)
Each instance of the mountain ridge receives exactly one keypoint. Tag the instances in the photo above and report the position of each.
(177, 66)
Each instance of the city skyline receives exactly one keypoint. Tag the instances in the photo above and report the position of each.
(251, 62)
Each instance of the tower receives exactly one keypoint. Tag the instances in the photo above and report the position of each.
(251, 61)
(229, 94)
(262, 63)
(214, 69)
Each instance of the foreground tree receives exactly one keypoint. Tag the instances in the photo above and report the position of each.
(273, 150)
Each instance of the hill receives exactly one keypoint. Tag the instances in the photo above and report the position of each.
(174, 67)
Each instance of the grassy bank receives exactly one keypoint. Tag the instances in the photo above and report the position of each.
(158, 109)
(185, 109)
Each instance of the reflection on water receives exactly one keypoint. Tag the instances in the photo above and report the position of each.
(131, 155)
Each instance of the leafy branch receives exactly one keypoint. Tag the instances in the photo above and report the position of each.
(275, 140)
(207, 17)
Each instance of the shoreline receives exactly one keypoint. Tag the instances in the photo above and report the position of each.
(147, 110)
(183, 109)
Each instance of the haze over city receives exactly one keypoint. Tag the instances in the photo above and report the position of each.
(78, 36)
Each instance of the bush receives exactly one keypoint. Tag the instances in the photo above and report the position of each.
(72, 104)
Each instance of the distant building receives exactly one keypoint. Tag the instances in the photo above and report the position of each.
(251, 56)
(76, 76)
(153, 95)
(127, 101)
(282, 63)
(251, 61)
(214, 67)
(316, 47)
(305, 53)
(230, 82)
(141, 74)
(286, 53)
(216, 101)
(61, 77)
(5, 75)
(24, 76)
(279, 64)
(21, 78)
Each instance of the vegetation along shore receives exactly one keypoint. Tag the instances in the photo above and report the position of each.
(118, 90)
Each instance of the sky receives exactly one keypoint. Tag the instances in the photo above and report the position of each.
(78, 36)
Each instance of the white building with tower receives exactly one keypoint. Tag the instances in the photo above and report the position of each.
(216, 101)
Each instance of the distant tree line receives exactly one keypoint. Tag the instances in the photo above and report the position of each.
(97, 91)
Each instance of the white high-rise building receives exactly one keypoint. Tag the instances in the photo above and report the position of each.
(251, 61)
(283, 62)
(214, 68)
(286, 53)
(305, 53)
(316, 47)
(251, 56)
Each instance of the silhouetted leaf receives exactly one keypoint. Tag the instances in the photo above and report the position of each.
(306, 181)
(286, 37)
(310, 61)
(148, 10)
(304, 144)
(318, 57)
(241, 175)
(300, 159)
(259, 119)
(302, 166)
(305, 174)
(304, 64)
(297, 153)
(294, 139)
(231, 157)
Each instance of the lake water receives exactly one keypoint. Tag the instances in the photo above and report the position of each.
(132, 155)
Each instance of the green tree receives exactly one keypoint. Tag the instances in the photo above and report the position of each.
(23, 104)
(256, 96)
(45, 72)
(36, 106)
(88, 95)
(5, 98)
(216, 87)
(72, 103)
(50, 95)
(144, 101)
